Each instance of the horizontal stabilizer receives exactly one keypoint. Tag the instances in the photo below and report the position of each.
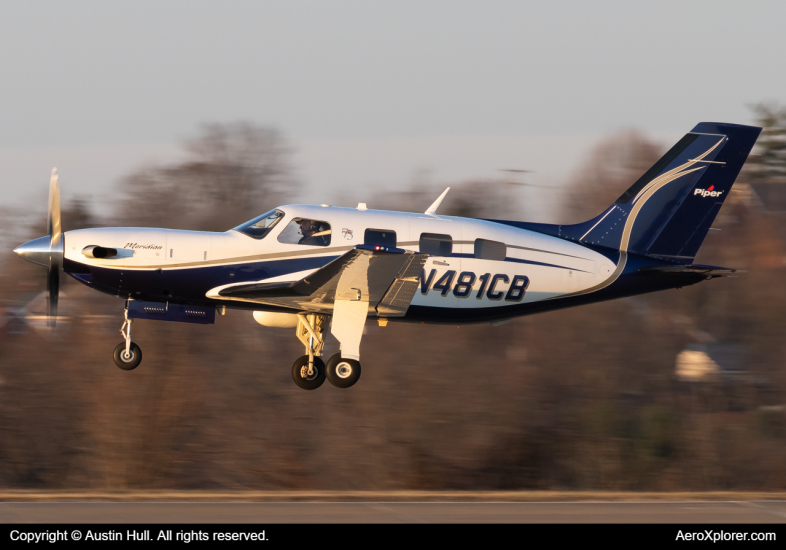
(707, 271)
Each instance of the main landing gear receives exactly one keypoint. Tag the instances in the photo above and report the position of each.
(127, 354)
(343, 373)
(309, 371)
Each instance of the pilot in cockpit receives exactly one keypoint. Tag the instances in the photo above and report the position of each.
(312, 235)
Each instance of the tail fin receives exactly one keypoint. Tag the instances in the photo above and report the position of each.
(669, 210)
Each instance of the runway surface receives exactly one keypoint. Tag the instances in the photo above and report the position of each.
(395, 512)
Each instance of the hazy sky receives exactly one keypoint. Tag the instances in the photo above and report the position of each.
(369, 92)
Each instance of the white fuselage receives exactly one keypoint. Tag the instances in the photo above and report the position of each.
(553, 267)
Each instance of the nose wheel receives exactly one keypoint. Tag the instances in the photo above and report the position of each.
(127, 359)
(127, 354)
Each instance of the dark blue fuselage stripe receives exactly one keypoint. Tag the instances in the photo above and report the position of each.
(188, 284)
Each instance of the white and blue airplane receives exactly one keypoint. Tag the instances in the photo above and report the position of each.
(314, 267)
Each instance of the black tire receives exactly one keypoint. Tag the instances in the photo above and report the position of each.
(129, 363)
(300, 376)
(343, 373)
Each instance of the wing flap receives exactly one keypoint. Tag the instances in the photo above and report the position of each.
(396, 300)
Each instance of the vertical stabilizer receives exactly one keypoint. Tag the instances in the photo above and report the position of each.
(669, 210)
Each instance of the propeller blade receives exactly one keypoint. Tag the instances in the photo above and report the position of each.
(53, 218)
(53, 286)
(56, 248)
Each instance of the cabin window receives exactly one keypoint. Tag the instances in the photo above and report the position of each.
(490, 250)
(435, 244)
(260, 226)
(307, 232)
(380, 237)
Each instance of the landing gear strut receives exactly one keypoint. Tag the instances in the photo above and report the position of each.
(127, 354)
(309, 372)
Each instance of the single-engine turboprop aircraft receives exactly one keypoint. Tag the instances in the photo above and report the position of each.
(313, 266)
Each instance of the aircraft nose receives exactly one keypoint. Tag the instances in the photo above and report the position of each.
(36, 251)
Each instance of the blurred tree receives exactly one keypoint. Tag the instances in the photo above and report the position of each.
(611, 167)
(77, 214)
(479, 198)
(482, 198)
(232, 172)
(766, 168)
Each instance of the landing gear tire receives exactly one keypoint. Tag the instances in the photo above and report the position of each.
(130, 361)
(343, 373)
(301, 377)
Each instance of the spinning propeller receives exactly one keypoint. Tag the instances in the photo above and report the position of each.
(48, 251)
(56, 247)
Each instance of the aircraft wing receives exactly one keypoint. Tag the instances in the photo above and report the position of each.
(386, 278)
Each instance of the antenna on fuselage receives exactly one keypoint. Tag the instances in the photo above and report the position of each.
(432, 210)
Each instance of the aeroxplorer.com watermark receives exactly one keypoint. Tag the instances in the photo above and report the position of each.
(709, 535)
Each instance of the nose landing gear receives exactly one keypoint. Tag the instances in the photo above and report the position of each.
(127, 354)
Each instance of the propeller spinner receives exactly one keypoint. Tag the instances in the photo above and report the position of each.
(48, 251)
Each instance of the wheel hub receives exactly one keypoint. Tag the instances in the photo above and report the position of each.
(344, 370)
(304, 373)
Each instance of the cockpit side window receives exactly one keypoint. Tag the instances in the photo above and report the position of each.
(306, 231)
(260, 226)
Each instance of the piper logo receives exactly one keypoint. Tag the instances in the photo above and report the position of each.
(708, 192)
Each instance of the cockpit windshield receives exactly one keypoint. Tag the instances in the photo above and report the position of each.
(260, 226)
